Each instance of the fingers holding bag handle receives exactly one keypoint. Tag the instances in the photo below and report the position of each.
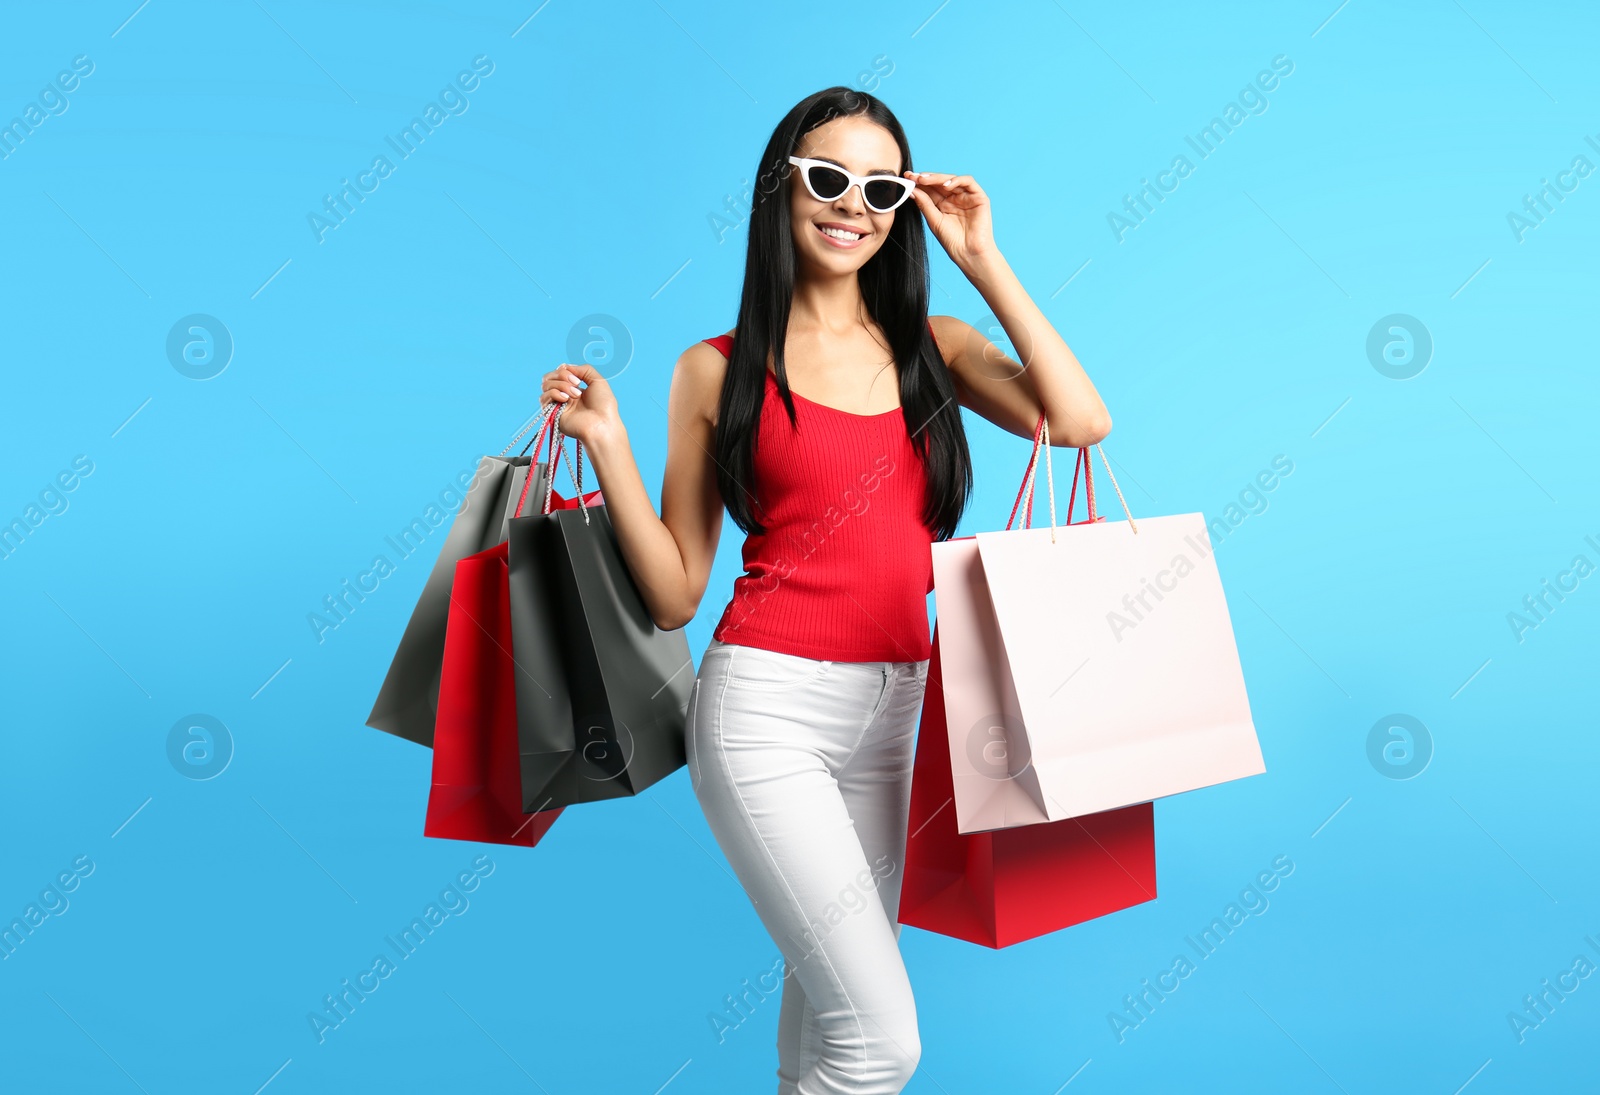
(553, 399)
(559, 387)
(553, 382)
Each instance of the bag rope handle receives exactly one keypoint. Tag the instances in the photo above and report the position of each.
(537, 420)
(1027, 477)
(1041, 437)
(541, 421)
(1121, 500)
(577, 476)
(544, 425)
(552, 420)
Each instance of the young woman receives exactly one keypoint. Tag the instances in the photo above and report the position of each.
(801, 723)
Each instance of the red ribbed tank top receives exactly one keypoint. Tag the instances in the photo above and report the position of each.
(844, 569)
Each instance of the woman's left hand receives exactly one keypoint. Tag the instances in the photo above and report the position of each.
(957, 210)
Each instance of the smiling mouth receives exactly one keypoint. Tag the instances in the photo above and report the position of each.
(842, 235)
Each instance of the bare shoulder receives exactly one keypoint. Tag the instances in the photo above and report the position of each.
(697, 381)
(950, 333)
(954, 337)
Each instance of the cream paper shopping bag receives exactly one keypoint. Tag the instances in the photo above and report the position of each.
(1087, 666)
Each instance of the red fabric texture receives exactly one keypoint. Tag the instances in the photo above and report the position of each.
(844, 569)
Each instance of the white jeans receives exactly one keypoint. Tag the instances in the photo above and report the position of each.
(803, 769)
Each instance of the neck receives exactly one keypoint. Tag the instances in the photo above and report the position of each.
(827, 303)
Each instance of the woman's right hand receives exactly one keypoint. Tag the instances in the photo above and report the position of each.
(586, 411)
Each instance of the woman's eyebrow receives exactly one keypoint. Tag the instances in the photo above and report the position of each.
(874, 171)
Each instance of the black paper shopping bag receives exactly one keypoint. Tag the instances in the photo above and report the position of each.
(577, 617)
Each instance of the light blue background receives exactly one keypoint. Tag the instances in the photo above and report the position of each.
(1227, 329)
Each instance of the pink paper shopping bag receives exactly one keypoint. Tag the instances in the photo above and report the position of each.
(1087, 666)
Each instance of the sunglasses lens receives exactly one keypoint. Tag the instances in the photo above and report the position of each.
(826, 182)
(883, 195)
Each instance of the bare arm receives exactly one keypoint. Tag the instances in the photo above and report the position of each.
(669, 556)
(1011, 394)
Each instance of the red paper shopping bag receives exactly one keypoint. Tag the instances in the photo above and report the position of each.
(1007, 885)
(477, 780)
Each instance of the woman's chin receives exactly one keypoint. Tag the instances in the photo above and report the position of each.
(836, 261)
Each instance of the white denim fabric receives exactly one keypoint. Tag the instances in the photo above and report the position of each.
(803, 769)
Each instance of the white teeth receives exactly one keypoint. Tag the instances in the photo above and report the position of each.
(841, 234)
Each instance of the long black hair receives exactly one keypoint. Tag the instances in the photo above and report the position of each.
(894, 286)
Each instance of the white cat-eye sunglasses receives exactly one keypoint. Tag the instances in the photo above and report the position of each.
(827, 181)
